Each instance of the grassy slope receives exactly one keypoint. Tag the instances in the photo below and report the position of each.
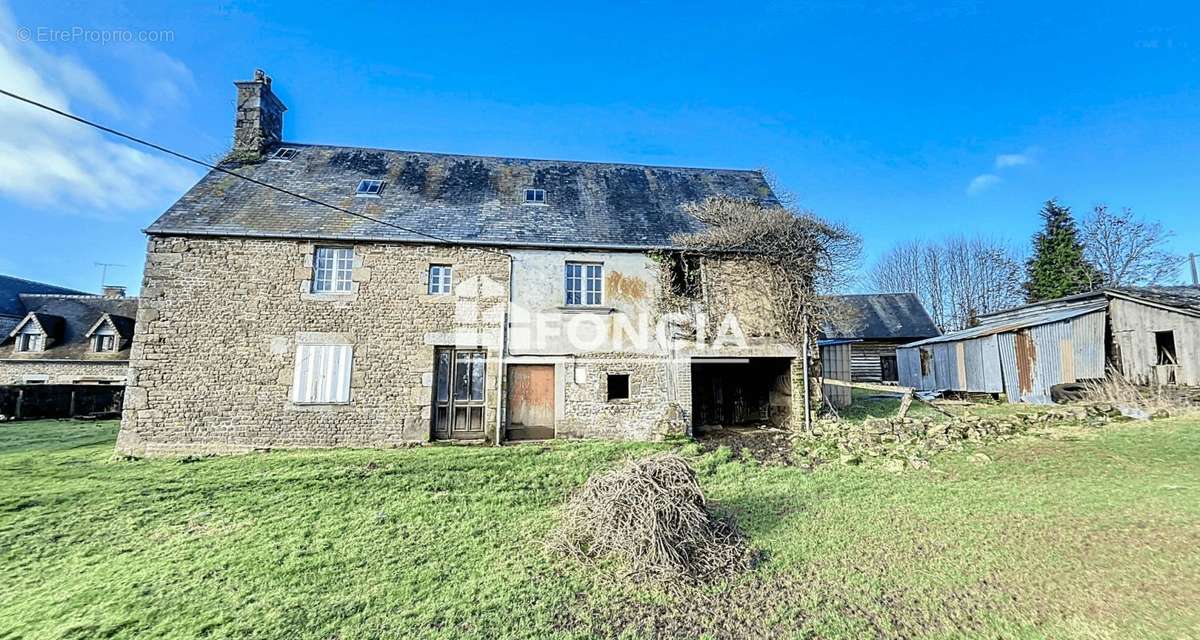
(1097, 537)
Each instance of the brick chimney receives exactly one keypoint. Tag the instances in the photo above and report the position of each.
(113, 291)
(259, 122)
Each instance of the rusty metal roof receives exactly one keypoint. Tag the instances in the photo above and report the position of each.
(1021, 318)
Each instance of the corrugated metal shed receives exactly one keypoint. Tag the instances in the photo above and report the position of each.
(1022, 353)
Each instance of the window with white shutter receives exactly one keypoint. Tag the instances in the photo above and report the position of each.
(322, 374)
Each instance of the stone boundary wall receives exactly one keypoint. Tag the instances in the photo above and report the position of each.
(62, 372)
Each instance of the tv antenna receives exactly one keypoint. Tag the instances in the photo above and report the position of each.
(104, 266)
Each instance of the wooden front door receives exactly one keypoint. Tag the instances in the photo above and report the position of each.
(530, 401)
(459, 391)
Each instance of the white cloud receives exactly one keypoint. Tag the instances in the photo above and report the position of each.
(982, 183)
(48, 161)
(1012, 160)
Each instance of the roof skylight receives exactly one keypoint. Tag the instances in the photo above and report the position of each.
(369, 188)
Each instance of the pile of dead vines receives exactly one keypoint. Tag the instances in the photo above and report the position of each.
(651, 517)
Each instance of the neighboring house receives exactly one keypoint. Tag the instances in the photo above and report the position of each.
(874, 324)
(68, 339)
(272, 321)
(12, 310)
(1150, 335)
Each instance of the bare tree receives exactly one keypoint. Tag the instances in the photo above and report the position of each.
(1128, 250)
(957, 278)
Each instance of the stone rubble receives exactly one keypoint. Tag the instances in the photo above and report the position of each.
(910, 443)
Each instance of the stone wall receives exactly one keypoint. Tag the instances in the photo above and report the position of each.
(658, 405)
(61, 372)
(742, 287)
(214, 353)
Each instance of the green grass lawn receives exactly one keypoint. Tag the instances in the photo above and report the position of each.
(1097, 536)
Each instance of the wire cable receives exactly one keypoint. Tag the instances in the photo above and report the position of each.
(214, 167)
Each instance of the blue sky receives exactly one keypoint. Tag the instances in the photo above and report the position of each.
(903, 120)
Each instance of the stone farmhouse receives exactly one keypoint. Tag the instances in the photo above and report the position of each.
(440, 297)
(58, 336)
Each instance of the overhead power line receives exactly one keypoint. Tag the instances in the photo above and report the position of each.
(184, 156)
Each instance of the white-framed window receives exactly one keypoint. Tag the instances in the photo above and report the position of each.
(332, 269)
(440, 279)
(29, 342)
(368, 188)
(105, 343)
(322, 374)
(535, 196)
(584, 282)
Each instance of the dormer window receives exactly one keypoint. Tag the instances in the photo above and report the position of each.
(30, 342)
(535, 196)
(105, 343)
(368, 189)
(284, 154)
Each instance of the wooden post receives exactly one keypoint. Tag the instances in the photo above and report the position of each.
(71, 410)
(904, 402)
(807, 388)
(20, 397)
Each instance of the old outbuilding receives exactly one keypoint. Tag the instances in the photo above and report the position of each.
(1149, 335)
(870, 327)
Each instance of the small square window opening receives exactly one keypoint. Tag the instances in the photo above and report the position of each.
(284, 153)
(618, 386)
(1164, 347)
(535, 196)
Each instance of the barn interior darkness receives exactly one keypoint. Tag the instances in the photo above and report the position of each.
(744, 392)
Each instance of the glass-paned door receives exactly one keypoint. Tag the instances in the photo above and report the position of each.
(460, 377)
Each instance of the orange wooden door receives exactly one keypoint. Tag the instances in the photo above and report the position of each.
(532, 395)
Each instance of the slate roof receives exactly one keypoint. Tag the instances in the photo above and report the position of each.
(11, 289)
(883, 316)
(465, 199)
(72, 316)
(1182, 298)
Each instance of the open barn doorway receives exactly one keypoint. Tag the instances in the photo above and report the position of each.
(741, 392)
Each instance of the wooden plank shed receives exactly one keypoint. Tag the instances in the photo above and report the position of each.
(877, 323)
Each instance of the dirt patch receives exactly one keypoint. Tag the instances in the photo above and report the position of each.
(766, 446)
